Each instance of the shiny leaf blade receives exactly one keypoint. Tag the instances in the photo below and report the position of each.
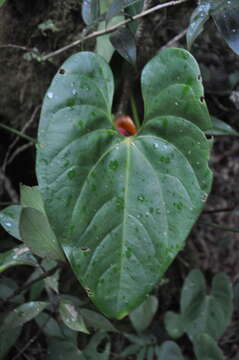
(22, 314)
(72, 317)
(226, 17)
(124, 42)
(176, 90)
(200, 15)
(221, 128)
(90, 11)
(9, 219)
(38, 235)
(20, 255)
(118, 261)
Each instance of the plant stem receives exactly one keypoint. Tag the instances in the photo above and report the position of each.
(135, 112)
(18, 133)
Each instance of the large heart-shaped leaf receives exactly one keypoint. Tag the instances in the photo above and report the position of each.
(122, 207)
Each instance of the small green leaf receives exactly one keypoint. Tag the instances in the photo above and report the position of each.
(206, 348)
(141, 354)
(9, 219)
(226, 16)
(202, 313)
(97, 321)
(31, 197)
(124, 42)
(64, 349)
(169, 350)
(37, 234)
(131, 349)
(19, 255)
(200, 15)
(221, 128)
(174, 324)
(142, 316)
(72, 317)
(7, 288)
(90, 11)
(103, 44)
(22, 314)
(118, 5)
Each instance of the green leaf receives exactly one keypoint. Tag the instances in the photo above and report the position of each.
(200, 15)
(9, 219)
(97, 321)
(174, 324)
(123, 41)
(202, 313)
(103, 44)
(142, 316)
(226, 16)
(221, 128)
(150, 187)
(72, 317)
(169, 350)
(118, 5)
(64, 349)
(206, 348)
(19, 255)
(176, 90)
(2, 2)
(90, 11)
(31, 197)
(38, 235)
(7, 288)
(22, 314)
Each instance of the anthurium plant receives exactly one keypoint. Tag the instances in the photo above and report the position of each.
(118, 201)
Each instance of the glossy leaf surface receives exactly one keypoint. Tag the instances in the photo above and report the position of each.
(199, 17)
(20, 255)
(22, 314)
(150, 187)
(221, 128)
(71, 316)
(9, 219)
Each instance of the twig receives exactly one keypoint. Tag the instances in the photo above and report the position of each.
(18, 133)
(8, 186)
(11, 146)
(18, 151)
(30, 283)
(220, 227)
(175, 39)
(20, 47)
(113, 28)
(31, 341)
(219, 210)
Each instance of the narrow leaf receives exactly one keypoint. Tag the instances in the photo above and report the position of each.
(20, 255)
(124, 42)
(200, 15)
(221, 128)
(9, 219)
(72, 317)
(174, 324)
(22, 314)
(90, 11)
(92, 352)
(226, 17)
(7, 340)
